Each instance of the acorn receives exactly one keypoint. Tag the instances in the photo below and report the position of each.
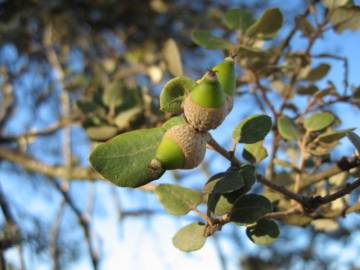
(205, 107)
(181, 147)
(225, 73)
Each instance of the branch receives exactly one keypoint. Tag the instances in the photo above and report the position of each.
(280, 189)
(222, 151)
(11, 235)
(83, 220)
(56, 171)
(344, 164)
(29, 163)
(54, 236)
(283, 214)
(44, 132)
(317, 201)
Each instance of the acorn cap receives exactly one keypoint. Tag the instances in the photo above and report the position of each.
(203, 119)
(192, 143)
(229, 102)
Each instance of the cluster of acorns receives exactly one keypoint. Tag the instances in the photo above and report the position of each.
(209, 102)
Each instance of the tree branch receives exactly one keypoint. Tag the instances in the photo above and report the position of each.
(83, 220)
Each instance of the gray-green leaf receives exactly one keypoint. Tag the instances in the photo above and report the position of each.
(305, 26)
(252, 129)
(288, 128)
(255, 152)
(221, 204)
(125, 159)
(208, 41)
(174, 92)
(178, 200)
(319, 121)
(345, 18)
(124, 118)
(113, 94)
(225, 182)
(267, 25)
(101, 133)
(318, 72)
(264, 232)
(250, 208)
(238, 18)
(172, 57)
(355, 140)
(332, 4)
(333, 136)
(190, 237)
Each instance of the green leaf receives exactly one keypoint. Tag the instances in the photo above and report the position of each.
(248, 173)
(173, 121)
(255, 152)
(318, 72)
(87, 106)
(125, 159)
(354, 139)
(319, 121)
(284, 163)
(333, 136)
(124, 118)
(174, 92)
(304, 25)
(190, 237)
(288, 129)
(333, 4)
(221, 204)
(113, 94)
(250, 208)
(326, 225)
(297, 220)
(178, 200)
(308, 90)
(324, 93)
(252, 129)
(264, 232)
(345, 18)
(225, 182)
(101, 133)
(172, 57)
(250, 52)
(206, 40)
(267, 25)
(238, 18)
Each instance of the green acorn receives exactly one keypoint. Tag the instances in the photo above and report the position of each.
(225, 73)
(182, 147)
(205, 107)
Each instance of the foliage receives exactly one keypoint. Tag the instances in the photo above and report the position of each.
(226, 192)
(287, 172)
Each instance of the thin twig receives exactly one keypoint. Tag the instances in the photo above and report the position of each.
(283, 214)
(280, 189)
(342, 192)
(55, 228)
(83, 220)
(301, 166)
(222, 151)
